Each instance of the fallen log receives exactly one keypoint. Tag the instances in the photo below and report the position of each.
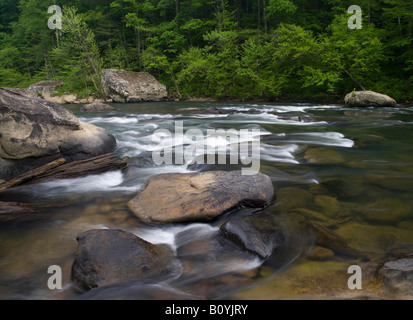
(60, 170)
(82, 168)
(31, 174)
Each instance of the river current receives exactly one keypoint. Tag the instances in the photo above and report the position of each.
(347, 169)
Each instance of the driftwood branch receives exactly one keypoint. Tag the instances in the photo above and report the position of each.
(60, 170)
(32, 174)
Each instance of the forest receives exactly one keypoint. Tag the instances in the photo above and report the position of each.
(225, 49)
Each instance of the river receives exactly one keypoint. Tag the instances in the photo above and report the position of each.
(350, 170)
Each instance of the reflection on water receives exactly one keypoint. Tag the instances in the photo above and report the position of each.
(348, 171)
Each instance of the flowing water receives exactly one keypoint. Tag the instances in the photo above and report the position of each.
(348, 170)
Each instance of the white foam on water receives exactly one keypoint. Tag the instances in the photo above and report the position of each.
(335, 139)
(285, 109)
(114, 120)
(167, 235)
(155, 116)
(269, 118)
(283, 153)
(108, 181)
(207, 116)
(130, 119)
(237, 265)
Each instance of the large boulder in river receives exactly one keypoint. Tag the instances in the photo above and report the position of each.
(111, 256)
(128, 86)
(34, 131)
(368, 99)
(180, 197)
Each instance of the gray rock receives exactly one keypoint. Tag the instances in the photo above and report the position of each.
(256, 233)
(34, 132)
(40, 89)
(27, 92)
(44, 88)
(96, 107)
(398, 275)
(178, 197)
(368, 99)
(109, 256)
(127, 86)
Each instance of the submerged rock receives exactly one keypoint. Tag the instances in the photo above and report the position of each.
(178, 197)
(110, 256)
(323, 156)
(332, 240)
(373, 238)
(128, 86)
(256, 233)
(320, 254)
(385, 211)
(397, 275)
(291, 197)
(34, 132)
(229, 111)
(341, 188)
(368, 99)
(329, 205)
(96, 107)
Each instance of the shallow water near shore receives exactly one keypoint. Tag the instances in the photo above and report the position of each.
(349, 171)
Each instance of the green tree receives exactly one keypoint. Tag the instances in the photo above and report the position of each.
(9, 12)
(78, 53)
(355, 54)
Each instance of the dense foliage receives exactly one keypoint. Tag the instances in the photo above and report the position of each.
(243, 49)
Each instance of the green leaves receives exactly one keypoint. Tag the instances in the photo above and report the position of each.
(230, 49)
(78, 55)
(276, 7)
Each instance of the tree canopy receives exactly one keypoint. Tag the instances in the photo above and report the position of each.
(229, 49)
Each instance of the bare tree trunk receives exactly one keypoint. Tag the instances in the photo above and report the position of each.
(138, 39)
(265, 17)
(238, 10)
(176, 8)
(410, 27)
(32, 174)
(259, 14)
(354, 80)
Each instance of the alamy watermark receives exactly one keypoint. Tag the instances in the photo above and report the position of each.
(354, 281)
(55, 281)
(240, 146)
(55, 21)
(355, 21)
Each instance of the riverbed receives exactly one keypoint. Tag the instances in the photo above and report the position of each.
(349, 170)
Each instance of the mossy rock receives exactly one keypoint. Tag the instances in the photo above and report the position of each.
(329, 205)
(291, 197)
(385, 211)
(374, 238)
(323, 156)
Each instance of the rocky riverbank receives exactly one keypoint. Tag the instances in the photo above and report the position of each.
(119, 86)
(34, 132)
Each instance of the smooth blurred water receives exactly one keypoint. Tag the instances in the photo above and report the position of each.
(362, 158)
